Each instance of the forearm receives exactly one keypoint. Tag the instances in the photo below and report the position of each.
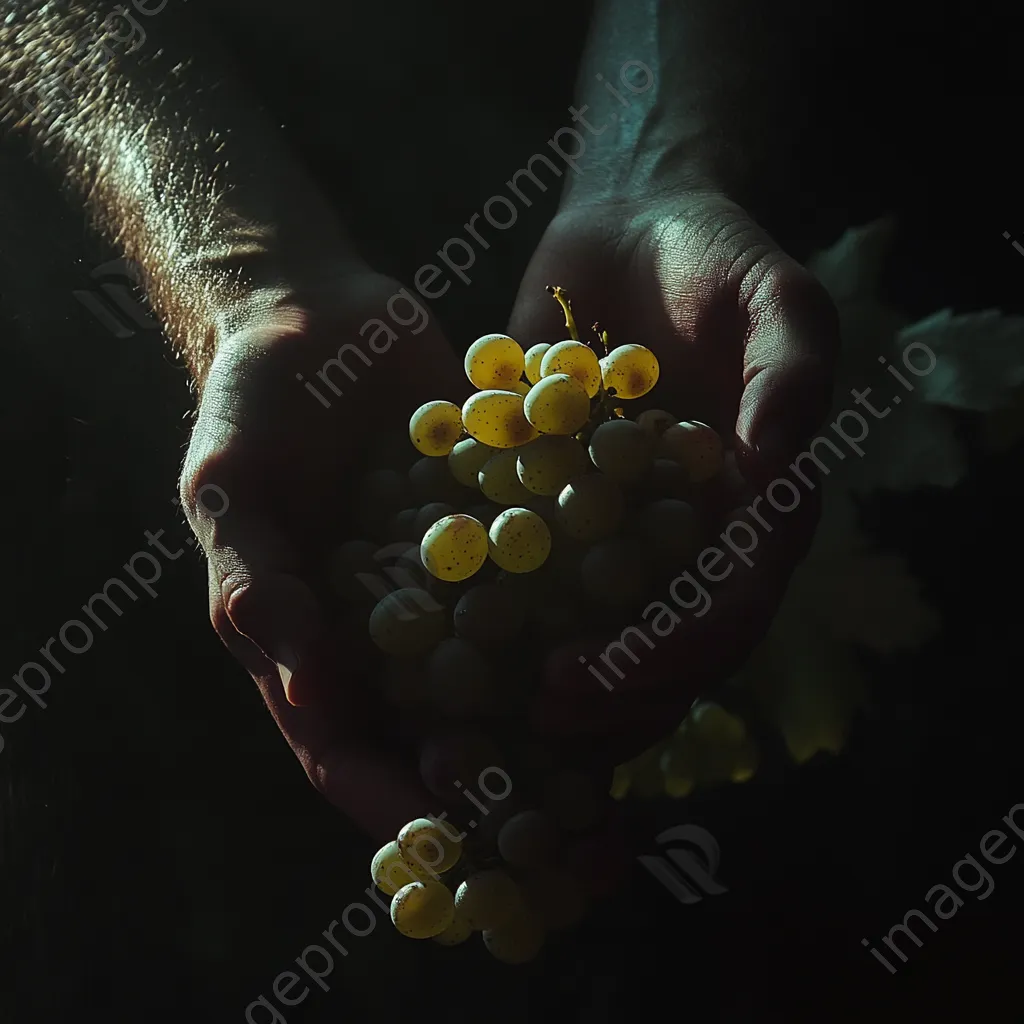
(143, 120)
(719, 106)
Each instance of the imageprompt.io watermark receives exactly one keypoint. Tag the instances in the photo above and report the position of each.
(691, 874)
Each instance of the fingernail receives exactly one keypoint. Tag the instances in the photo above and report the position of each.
(287, 665)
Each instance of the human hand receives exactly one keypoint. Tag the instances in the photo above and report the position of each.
(746, 339)
(266, 483)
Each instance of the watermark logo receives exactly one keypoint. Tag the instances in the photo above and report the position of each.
(690, 876)
(115, 303)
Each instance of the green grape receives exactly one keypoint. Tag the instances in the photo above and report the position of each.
(407, 623)
(617, 572)
(656, 421)
(435, 427)
(590, 507)
(421, 910)
(454, 548)
(667, 479)
(346, 563)
(534, 357)
(570, 799)
(496, 418)
(489, 615)
(557, 405)
(390, 872)
(557, 897)
(546, 465)
(520, 540)
(622, 450)
(518, 941)
(431, 481)
(455, 934)
(460, 682)
(487, 899)
(696, 447)
(466, 460)
(402, 526)
(425, 844)
(428, 515)
(631, 370)
(577, 360)
(494, 361)
(671, 528)
(528, 840)
(500, 482)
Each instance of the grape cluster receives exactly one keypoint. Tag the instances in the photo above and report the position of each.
(536, 510)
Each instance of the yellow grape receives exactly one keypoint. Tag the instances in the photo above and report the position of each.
(590, 507)
(454, 548)
(499, 480)
(521, 387)
(494, 361)
(557, 404)
(518, 941)
(576, 359)
(435, 427)
(696, 447)
(631, 369)
(622, 450)
(428, 515)
(487, 899)
(408, 622)
(421, 910)
(390, 872)
(425, 844)
(546, 465)
(455, 934)
(497, 418)
(520, 540)
(656, 421)
(467, 459)
(534, 357)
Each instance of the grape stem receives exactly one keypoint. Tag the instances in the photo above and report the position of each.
(559, 294)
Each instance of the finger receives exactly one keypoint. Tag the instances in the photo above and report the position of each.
(788, 362)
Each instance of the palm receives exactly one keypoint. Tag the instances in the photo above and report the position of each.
(745, 339)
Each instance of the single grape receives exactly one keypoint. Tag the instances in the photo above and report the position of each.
(425, 844)
(546, 465)
(557, 405)
(518, 941)
(487, 899)
(500, 482)
(556, 897)
(590, 507)
(519, 540)
(421, 910)
(577, 360)
(454, 548)
(466, 460)
(571, 801)
(534, 357)
(431, 481)
(496, 418)
(489, 615)
(435, 427)
(622, 450)
(617, 572)
(460, 682)
(656, 421)
(390, 872)
(407, 623)
(428, 515)
(696, 447)
(631, 370)
(348, 560)
(672, 528)
(494, 361)
(521, 387)
(455, 934)
(667, 479)
(528, 840)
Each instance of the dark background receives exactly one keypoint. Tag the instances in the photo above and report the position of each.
(161, 853)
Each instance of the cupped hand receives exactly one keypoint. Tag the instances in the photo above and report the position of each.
(746, 340)
(266, 484)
